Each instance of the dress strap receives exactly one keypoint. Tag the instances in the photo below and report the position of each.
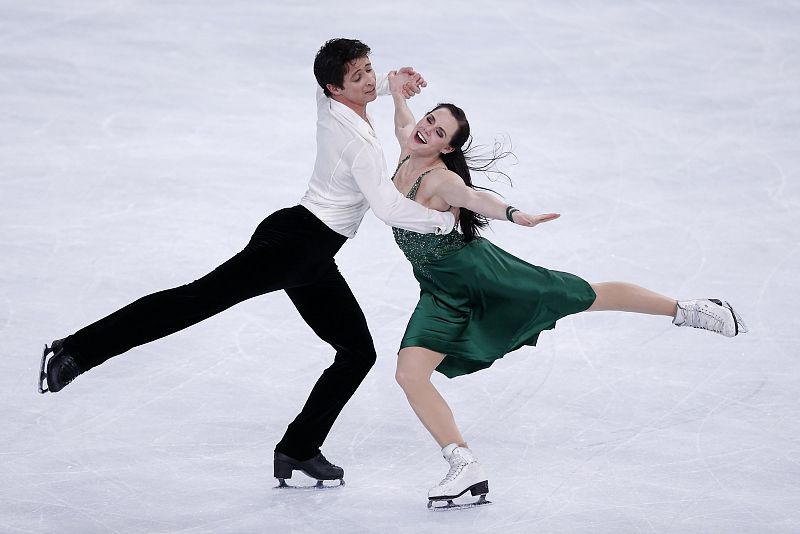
(398, 165)
(412, 193)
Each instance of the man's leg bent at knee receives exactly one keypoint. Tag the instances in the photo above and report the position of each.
(331, 310)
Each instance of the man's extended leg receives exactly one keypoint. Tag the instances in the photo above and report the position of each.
(288, 247)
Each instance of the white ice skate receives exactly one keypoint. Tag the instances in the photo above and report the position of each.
(465, 474)
(710, 314)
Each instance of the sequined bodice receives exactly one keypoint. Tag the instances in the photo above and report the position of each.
(421, 249)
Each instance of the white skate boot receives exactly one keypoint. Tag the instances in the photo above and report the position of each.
(465, 474)
(710, 314)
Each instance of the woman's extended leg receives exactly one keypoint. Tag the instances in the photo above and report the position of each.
(414, 368)
(622, 296)
(714, 315)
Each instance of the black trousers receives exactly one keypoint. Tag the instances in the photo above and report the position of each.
(291, 250)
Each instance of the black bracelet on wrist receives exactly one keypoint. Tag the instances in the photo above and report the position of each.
(510, 213)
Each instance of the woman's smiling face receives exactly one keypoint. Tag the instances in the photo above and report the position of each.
(433, 133)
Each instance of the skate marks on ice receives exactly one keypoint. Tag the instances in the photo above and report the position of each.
(650, 437)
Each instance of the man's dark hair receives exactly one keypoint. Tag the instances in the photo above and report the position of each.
(330, 64)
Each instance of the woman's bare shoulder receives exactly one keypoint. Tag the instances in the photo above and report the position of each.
(445, 176)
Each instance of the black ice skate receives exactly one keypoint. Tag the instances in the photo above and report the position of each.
(59, 370)
(317, 467)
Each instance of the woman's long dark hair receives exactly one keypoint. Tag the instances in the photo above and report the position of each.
(461, 162)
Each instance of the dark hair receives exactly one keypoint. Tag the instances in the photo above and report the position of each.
(333, 58)
(461, 161)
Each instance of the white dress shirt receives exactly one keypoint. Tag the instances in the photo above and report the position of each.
(350, 176)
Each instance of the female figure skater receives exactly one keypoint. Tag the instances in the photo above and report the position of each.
(479, 302)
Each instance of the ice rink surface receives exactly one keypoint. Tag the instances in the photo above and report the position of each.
(141, 142)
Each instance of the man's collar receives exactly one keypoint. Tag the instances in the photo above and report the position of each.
(352, 118)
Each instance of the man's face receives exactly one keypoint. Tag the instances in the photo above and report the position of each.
(358, 86)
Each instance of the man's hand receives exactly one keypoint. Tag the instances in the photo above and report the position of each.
(406, 82)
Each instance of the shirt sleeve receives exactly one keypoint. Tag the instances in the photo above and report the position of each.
(382, 84)
(389, 205)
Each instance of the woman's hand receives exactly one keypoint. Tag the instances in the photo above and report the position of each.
(406, 82)
(525, 219)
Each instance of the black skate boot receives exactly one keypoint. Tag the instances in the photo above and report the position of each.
(317, 467)
(59, 370)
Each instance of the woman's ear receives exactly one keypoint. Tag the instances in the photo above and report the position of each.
(448, 150)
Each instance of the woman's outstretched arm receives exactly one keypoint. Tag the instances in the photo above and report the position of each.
(451, 188)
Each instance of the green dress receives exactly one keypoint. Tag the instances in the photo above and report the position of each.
(478, 302)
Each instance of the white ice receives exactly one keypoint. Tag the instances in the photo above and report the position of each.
(141, 142)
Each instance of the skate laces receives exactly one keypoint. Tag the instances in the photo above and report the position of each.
(456, 466)
(701, 315)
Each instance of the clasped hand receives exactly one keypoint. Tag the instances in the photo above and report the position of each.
(406, 81)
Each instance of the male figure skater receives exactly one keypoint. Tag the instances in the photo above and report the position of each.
(292, 249)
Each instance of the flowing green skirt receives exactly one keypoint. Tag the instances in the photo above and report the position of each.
(479, 303)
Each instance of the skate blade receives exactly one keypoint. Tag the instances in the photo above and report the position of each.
(320, 485)
(451, 505)
(42, 369)
(741, 327)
